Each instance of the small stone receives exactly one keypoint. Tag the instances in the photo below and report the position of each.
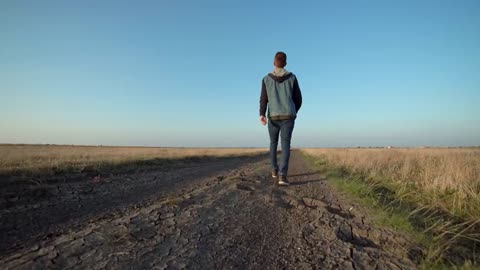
(166, 215)
(162, 250)
(169, 222)
(136, 220)
(87, 254)
(347, 265)
(143, 234)
(313, 202)
(95, 239)
(362, 260)
(246, 187)
(178, 265)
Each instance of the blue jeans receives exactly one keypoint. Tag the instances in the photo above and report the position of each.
(285, 129)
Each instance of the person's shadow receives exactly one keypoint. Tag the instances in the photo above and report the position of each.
(296, 183)
(305, 174)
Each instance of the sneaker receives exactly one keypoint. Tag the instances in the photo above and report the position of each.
(282, 180)
(274, 173)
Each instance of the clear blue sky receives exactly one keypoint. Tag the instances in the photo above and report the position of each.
(180, 73)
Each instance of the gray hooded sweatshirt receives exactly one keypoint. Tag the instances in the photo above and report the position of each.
(281, 92)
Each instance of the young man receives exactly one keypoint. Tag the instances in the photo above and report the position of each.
(280, 90)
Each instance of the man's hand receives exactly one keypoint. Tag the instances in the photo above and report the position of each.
(263, 120)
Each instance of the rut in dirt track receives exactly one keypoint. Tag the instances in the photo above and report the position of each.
(235, 218)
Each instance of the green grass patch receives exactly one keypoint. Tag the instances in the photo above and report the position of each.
(365, 195)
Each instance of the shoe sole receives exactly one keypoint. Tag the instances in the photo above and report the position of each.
(283, 184)
(274, 176)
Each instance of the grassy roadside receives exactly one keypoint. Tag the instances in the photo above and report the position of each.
(447, 239)
(39, 160)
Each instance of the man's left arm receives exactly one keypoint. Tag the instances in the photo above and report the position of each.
(297, 95)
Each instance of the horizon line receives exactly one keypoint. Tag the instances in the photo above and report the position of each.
(225, 147)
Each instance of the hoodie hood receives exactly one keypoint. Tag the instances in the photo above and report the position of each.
(280, 74)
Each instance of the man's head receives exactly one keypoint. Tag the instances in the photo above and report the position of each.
(280, 60)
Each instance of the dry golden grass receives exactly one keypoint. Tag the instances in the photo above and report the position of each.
(447, 177)
(441, 184)
(36, 158)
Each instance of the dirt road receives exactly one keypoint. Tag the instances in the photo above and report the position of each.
(209, 215)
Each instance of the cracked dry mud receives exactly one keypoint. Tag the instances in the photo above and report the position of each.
(220, 215)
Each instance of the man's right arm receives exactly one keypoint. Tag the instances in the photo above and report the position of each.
(263, 99)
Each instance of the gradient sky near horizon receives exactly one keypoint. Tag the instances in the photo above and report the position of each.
(181, 73)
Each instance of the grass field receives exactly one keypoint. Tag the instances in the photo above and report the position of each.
(439, 185)
(435, 191)
(28, 159)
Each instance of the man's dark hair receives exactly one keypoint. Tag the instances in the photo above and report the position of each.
(280, 59)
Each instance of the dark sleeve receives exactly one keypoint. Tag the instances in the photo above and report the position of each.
(297, 95)
(263, 100)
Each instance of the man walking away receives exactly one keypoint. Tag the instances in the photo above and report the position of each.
(280, 90)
